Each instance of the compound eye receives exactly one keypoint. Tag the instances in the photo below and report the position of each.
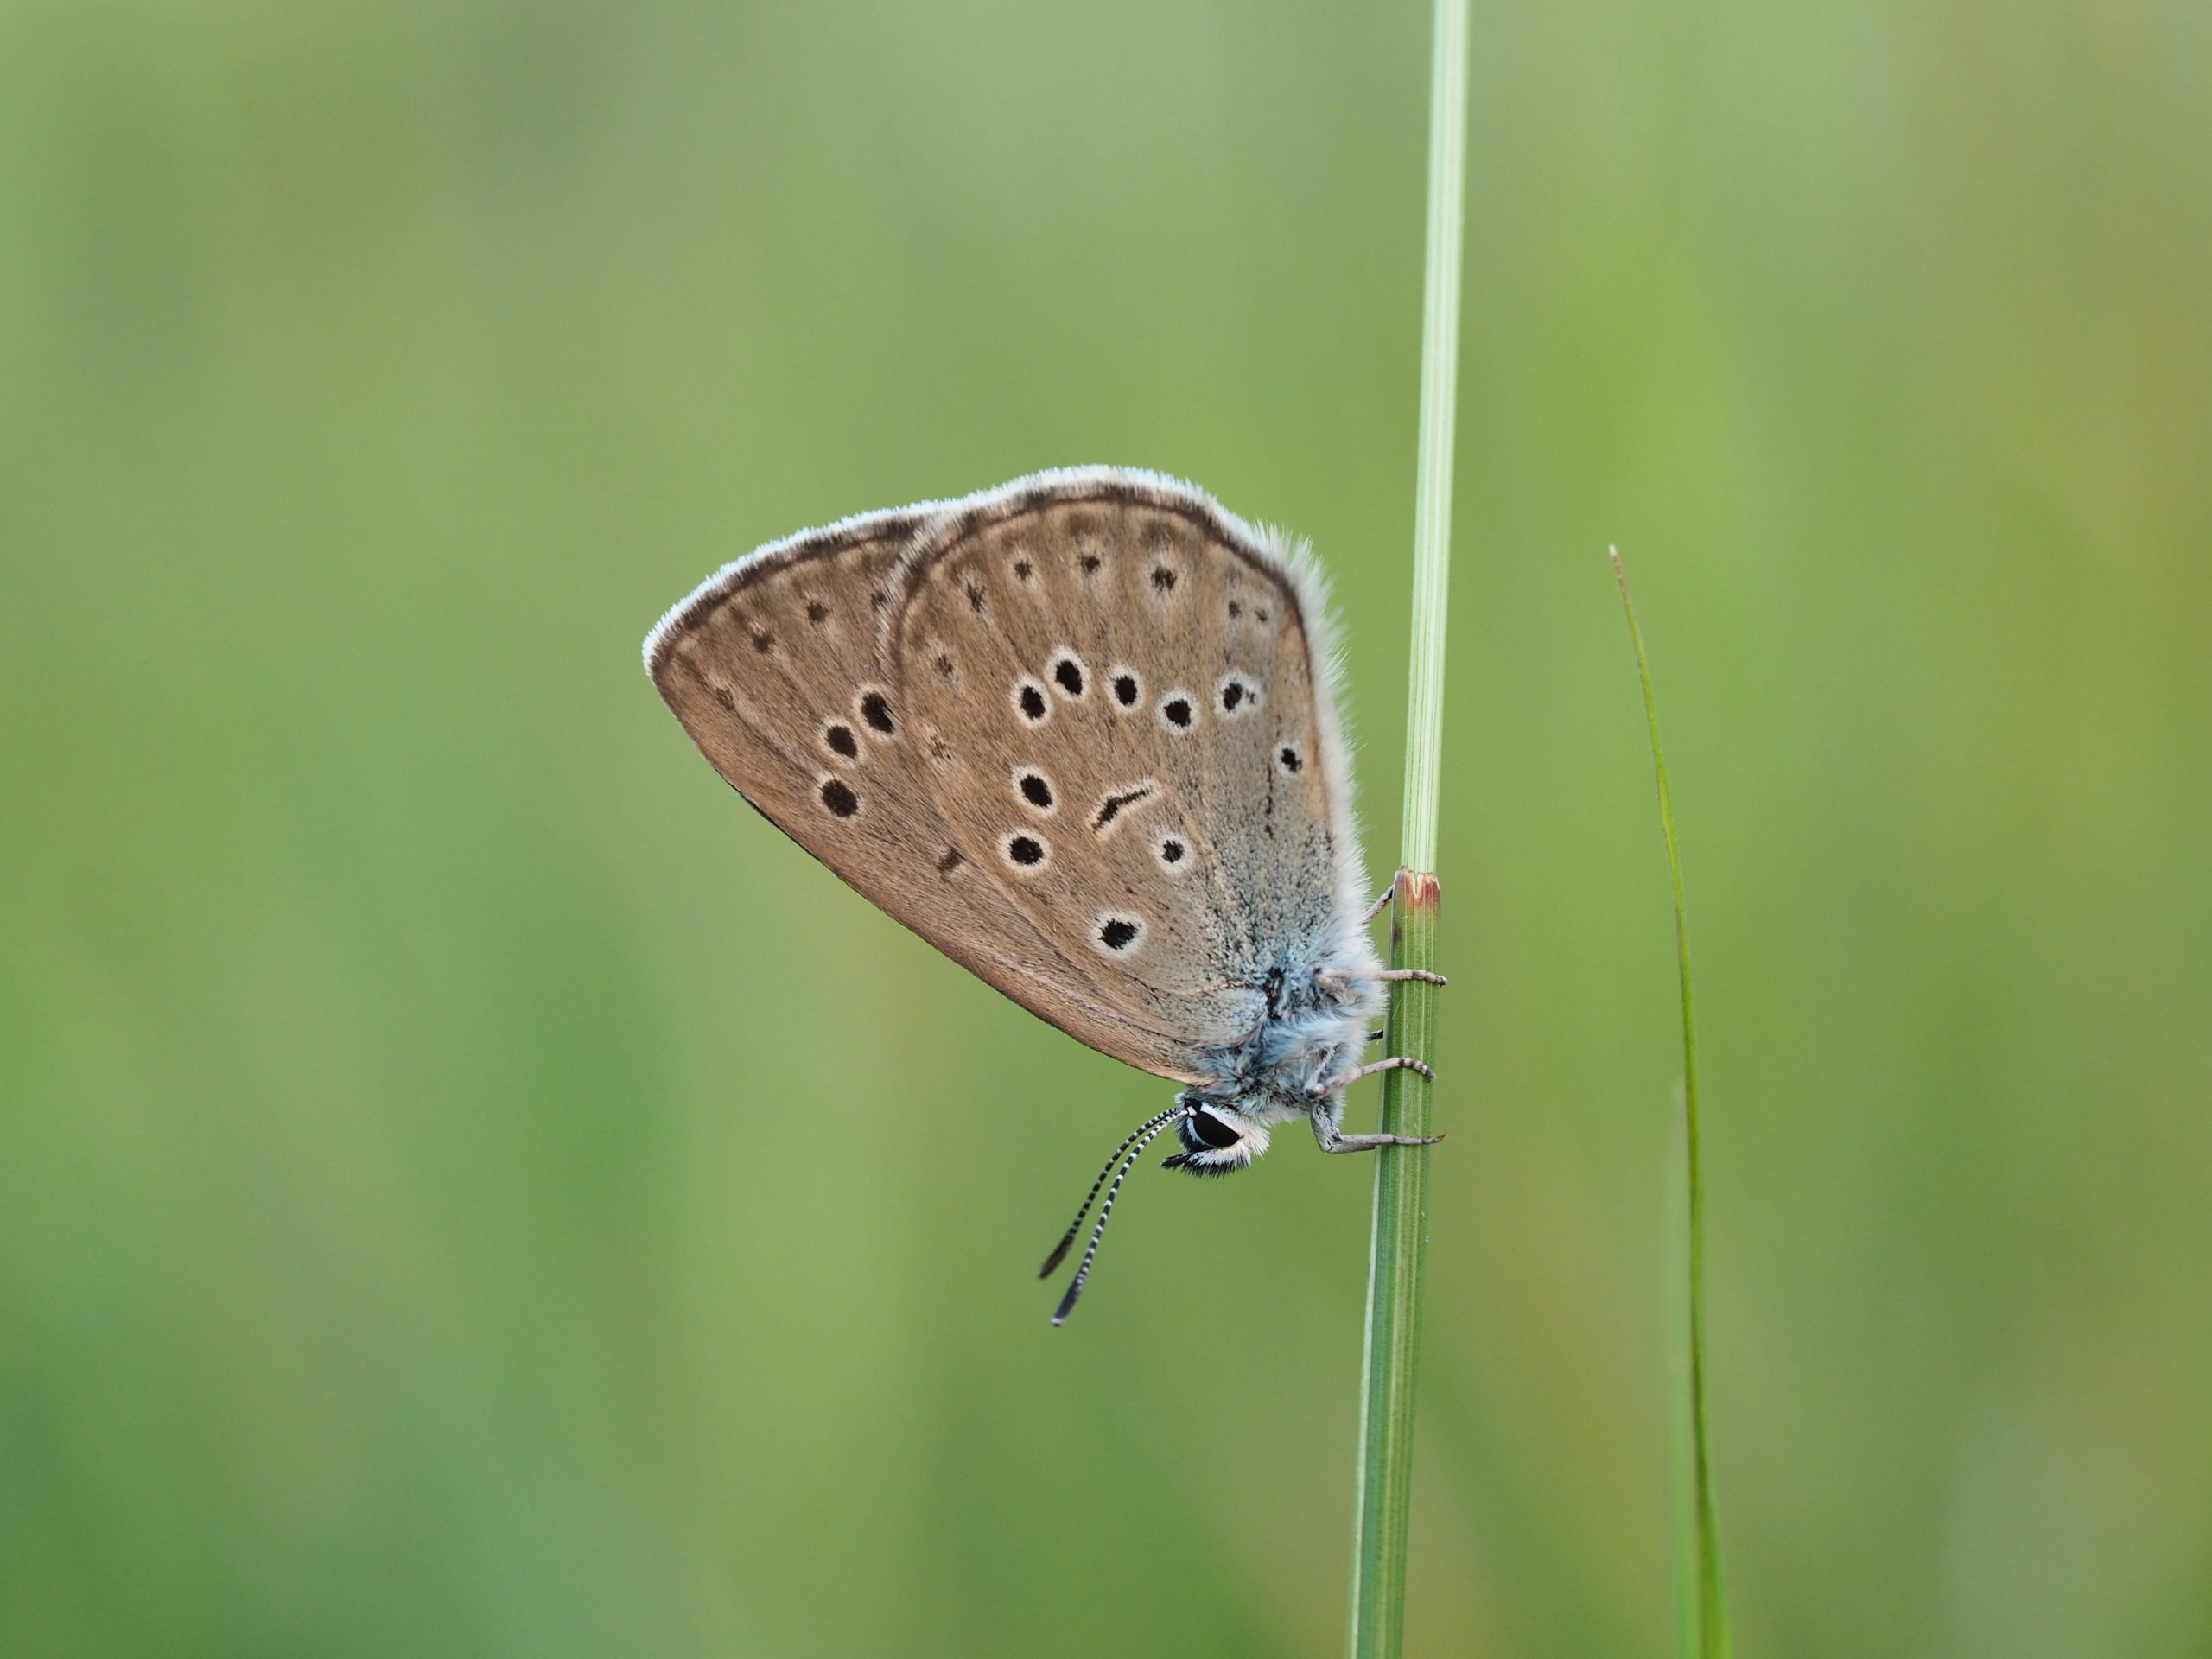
(1211, 1130)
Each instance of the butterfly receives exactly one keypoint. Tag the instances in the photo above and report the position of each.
(1079, 733)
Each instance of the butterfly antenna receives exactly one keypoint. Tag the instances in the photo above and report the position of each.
(1142, 1139)
(1060, 1251)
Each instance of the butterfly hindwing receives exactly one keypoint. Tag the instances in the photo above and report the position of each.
(1122, 712)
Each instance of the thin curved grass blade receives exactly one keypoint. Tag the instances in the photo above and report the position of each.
(1701, 1608)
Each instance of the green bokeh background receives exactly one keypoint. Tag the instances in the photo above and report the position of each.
(469, 1186)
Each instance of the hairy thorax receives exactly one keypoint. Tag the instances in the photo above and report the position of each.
(1313, 1025)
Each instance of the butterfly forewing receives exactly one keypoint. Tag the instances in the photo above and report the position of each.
(777, 669)
(1116, 691)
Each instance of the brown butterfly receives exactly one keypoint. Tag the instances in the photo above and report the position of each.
(1079, 733)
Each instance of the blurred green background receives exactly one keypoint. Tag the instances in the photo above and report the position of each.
(469, 1186)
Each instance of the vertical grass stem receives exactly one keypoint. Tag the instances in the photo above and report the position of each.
(1396, 1254)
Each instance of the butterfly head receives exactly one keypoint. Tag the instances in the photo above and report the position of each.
(1218, 1139)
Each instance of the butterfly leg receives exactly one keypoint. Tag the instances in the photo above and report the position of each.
(1382, 901)
(1420, 974)
(1327, 1097)
(1395, 1062)
(1317, 1086)
(1330, 1138)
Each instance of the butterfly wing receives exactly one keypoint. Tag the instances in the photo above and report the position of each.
(1124, 711)
(775, 666)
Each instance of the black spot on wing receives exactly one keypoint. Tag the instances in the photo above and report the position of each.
(1114, 804)
(1118, 933)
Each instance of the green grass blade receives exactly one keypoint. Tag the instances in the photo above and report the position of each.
(1400, 1238)
(1701, 1606)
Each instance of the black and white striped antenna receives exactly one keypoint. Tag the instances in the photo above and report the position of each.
(1123, 1160)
